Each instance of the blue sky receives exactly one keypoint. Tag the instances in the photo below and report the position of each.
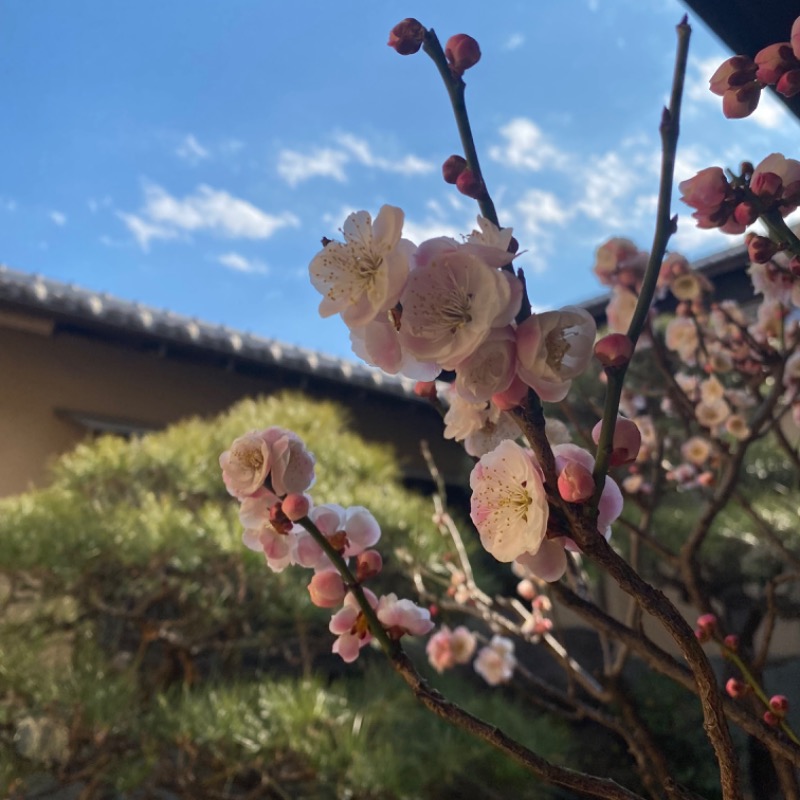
(191, 154)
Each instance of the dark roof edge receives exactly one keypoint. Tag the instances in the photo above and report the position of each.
(37, 293)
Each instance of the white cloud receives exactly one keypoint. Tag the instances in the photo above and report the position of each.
(295, 167)
(515, 41)
(694, 241)
(58, 218)
(144, 232)
(191, 151)
(541, 211)
(771, 113)
(166, 217)
(240, 263)
(329, 162)
(430, 228)
(360, 150)
(526, 146)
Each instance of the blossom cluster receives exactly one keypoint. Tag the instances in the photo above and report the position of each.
(449, 305)
(269, 472)
(739, 80)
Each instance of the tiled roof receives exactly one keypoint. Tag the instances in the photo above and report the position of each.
(66, 301)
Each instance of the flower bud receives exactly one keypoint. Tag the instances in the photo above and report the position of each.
(766, 185)
(626, 443)
(462, 52)
(774, 61)
(327, 589)
(467, 183)
(771, 719)
(740, 103)
(760, 249)
(736, 688)
(745, 213)
(613, 350)
(575, 483)
(731, 72)
(368, 565)
(407, 36)
(779, 704)
(731, 642)
(526, 590)
(452, 168)
(789, 83)
(707, 622)
(296, 506)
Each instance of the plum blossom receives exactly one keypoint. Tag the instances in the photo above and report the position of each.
(481, 426)
(626, 441)
(245, 465)
(787, 171)
(620, 309)
(446, 647)
(365, 274)
(453, 298)
(402, 616)
(291, 464)
(378, 344)
(490, 369)
(353, 529)
(509, 503)
(327, 588)
(681, 337)
(495, 663)
(351, 627)
(553, 348)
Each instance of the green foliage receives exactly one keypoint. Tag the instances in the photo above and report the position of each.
(143, 647)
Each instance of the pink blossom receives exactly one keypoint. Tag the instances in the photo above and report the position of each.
(402, 616)
(553, 348)
(296, 506)
(773, 61)
(681, 337)
(368, 565)
(490, 369)
(706, 191)
(549, 563)
(787, 169)
(245, 465)
(509, 504)
(626, 442)
(741, 102)
(495, 663)
(795, 37)
(378, 344)
(481, 426)
(351, 627)
(733, 72)
(615, 255)
(291, 464)
(327, 588)
(446, 647)
(452, 300)
(364, 275)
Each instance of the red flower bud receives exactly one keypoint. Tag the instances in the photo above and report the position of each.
(368, 564)
(407, 36)
(732, 642)
(736, 688)
(789, 83)
(742, 102)
(745, 213)
(613, 350)
(779, 704)
(766, 185)
(468, 184)
(771, 719)
(462, 52)
(707, 622)
(760, 249)
(452, 168)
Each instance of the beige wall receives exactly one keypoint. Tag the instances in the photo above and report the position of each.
(42, 372)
